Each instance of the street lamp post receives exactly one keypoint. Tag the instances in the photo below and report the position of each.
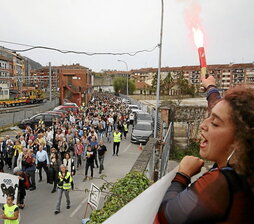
(159, 73)
(127, 91)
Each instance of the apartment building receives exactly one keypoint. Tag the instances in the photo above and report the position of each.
(4, 66)
(226, 75)
(12, 67)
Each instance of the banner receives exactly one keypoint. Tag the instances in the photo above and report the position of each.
(9, 186)
(144, 208)
(94, 196)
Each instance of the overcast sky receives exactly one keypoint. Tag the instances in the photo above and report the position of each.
(127, 26)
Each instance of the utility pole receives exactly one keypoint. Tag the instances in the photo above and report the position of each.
(159, 73)
(50, 83)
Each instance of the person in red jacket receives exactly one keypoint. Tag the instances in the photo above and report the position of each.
(224, 194)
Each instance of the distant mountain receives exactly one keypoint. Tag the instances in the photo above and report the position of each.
(34, 65)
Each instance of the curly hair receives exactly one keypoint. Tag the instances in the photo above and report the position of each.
(241, 100)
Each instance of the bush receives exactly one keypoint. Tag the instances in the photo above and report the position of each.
(120, 193)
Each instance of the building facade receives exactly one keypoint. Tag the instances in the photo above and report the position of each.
(226, 75)
(13, 68)
(40, 78)
(75, 83)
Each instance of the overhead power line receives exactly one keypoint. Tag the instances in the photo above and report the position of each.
(31, 47)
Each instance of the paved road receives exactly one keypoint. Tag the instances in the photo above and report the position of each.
(40, 204)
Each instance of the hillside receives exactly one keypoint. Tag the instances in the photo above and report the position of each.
(34, 65)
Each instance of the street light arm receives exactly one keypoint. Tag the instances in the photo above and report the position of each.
(125, 64)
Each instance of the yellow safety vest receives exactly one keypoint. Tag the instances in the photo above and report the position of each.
(125, 127)
(9, 212)
(117, 137)
(62, 184)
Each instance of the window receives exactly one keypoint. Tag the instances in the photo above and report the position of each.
(1, 92)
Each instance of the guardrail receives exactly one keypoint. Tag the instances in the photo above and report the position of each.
(153, 160)
(12, 117)
(167, 146)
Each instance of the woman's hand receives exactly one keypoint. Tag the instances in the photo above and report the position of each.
(209, 81)
(190, 165)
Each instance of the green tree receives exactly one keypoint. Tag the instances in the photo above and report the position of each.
(120, 85)
(167, 83)
(185, 87)
(154, 83)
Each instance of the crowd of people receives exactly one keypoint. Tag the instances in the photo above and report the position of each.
(62, 148)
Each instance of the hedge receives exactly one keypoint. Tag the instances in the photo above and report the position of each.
(120, 193)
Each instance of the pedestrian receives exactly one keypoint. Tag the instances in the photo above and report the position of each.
(116, 142)
(101, 153)
(28, 166)
(110, 131)
(42, 161)
(125, 129)
(54, 169)
(17, 150)
(70, 142)
(79, 149)
(89, 161)
(1, 163)
(21, 188)
(64, 186)
(9, 153)
(10, 211)
(69, 163)
(20, 157)
(94, 144)
(101, 131)
(62, 147)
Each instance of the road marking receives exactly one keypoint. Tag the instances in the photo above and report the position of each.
(127, 147)
(79, 206)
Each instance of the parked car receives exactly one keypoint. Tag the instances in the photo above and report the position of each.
(141, 132)
(56, 112)
(73, 109)
(132, 106)
(126, 101)
(62, 111)
(46, 117)
(143, 116)
(70, 104)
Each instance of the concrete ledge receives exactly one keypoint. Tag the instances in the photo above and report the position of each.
(143, 159)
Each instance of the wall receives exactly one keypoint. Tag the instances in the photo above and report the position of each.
(8, 119)
(153, 97)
